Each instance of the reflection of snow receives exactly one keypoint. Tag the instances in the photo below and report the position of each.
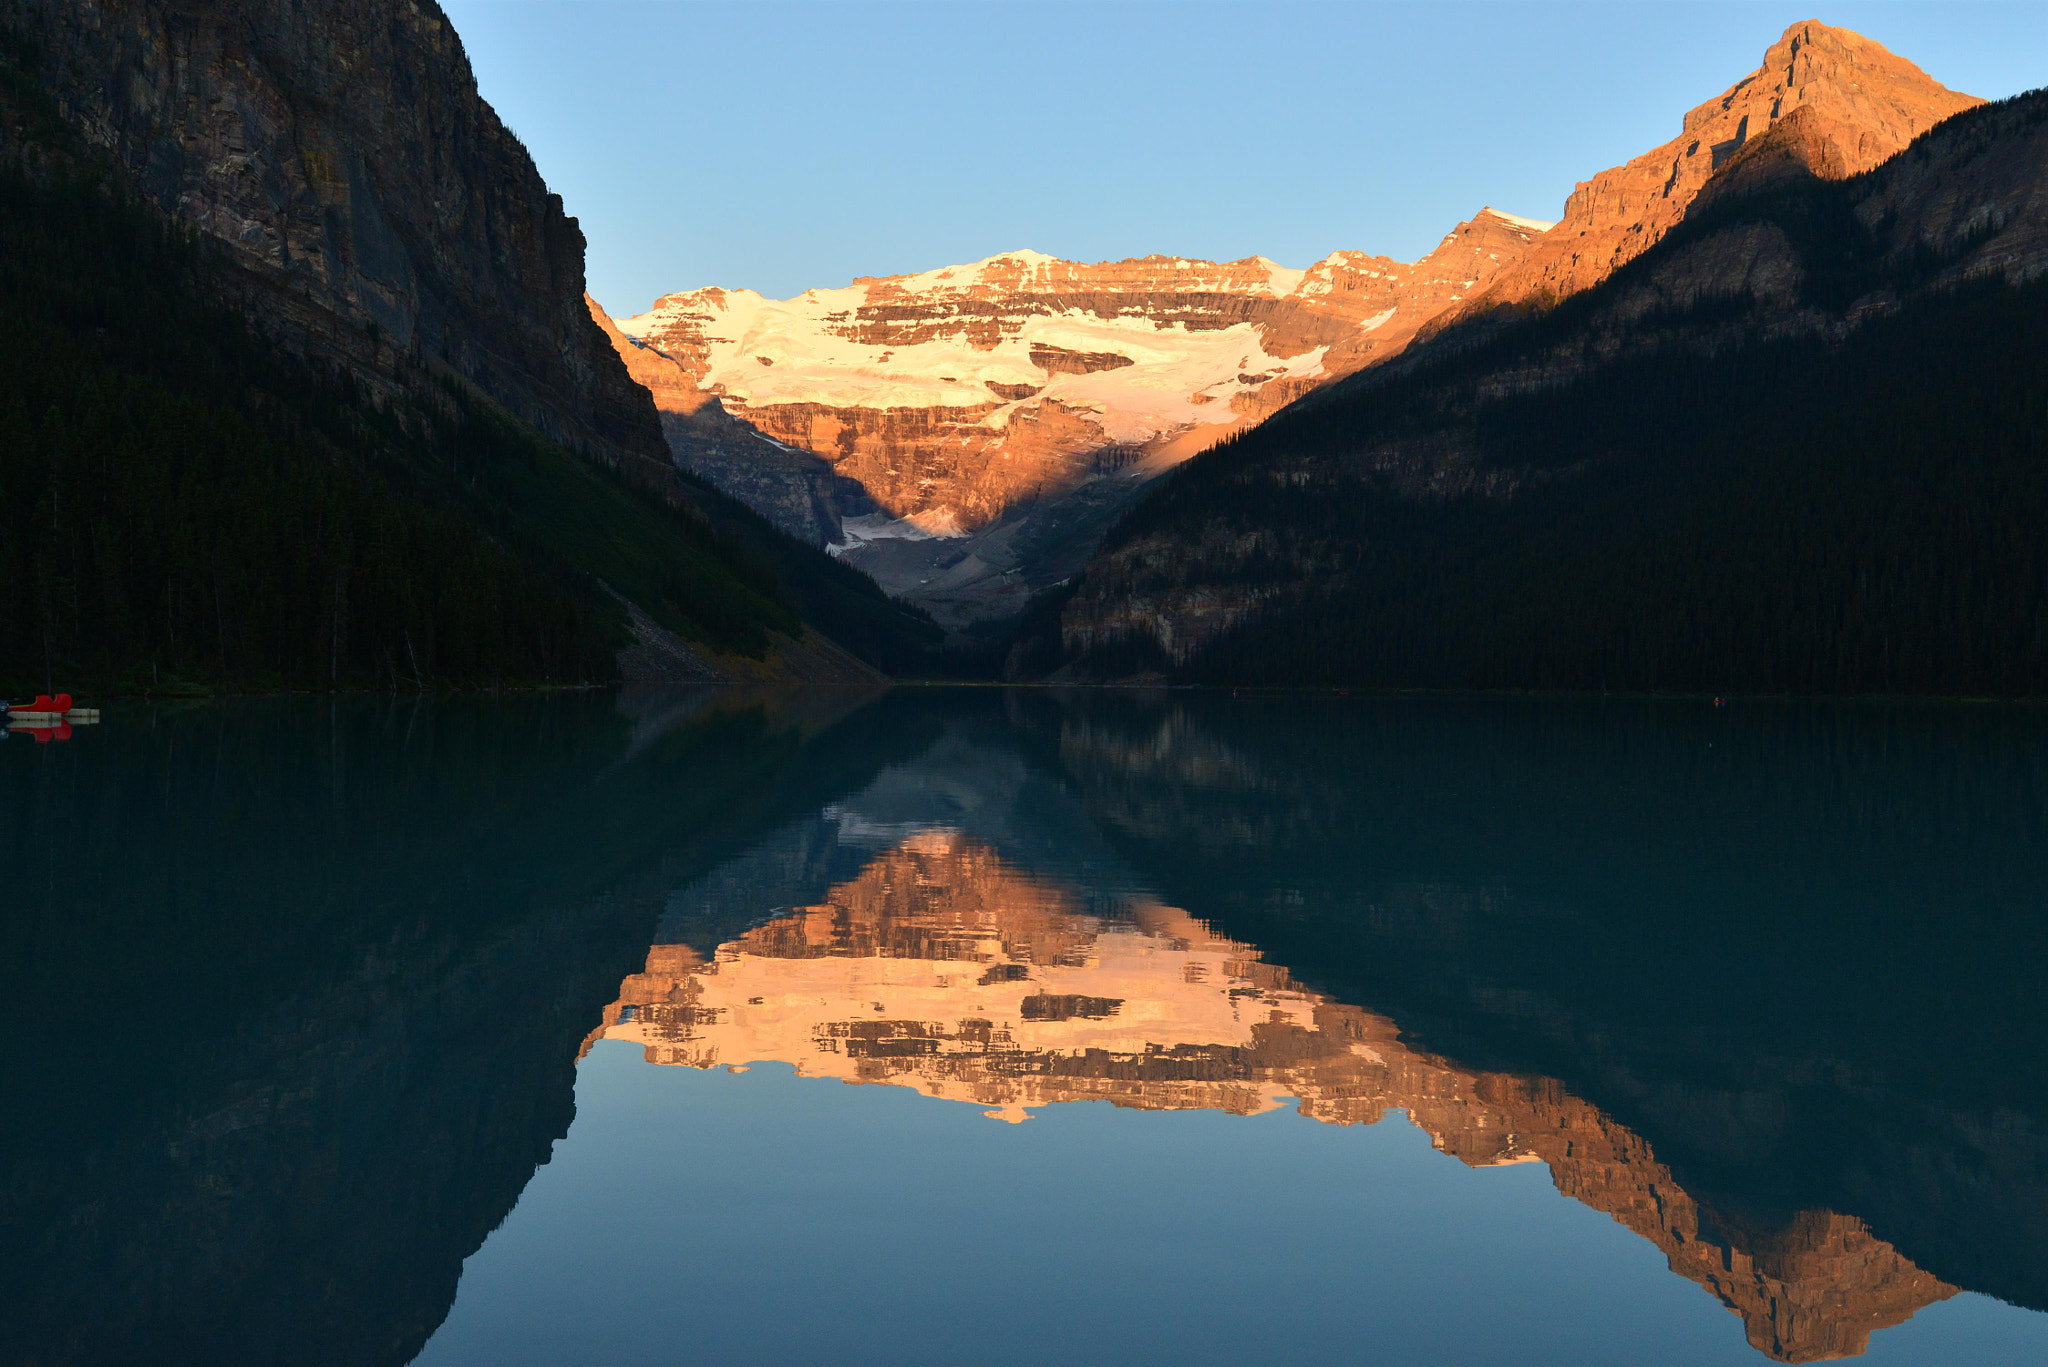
(933, 524)
(865, 833)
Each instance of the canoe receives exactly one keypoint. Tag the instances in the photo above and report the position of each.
(48, 711)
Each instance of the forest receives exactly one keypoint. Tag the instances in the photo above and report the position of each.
(186, 507)
(1813, 514)
(1791, 518)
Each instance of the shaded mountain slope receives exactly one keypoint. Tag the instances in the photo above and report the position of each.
(376, 210)
(227, 463)
(1795, 446)
(183, 503)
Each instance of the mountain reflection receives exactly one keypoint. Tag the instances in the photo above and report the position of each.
(942, 968)
(294, 989)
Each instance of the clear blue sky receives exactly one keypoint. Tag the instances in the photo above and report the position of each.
(782, 144)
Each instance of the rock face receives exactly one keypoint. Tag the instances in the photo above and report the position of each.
(984, 422)
(942, 968)
(796, 490)
(383, 212)
(1838, 102)
(958, 394)
(1002, 414)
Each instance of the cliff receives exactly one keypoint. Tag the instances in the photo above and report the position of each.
(382, 216)
(797, 491)
(1840, 103)
(965, 434)
(953, 395)
(370, 431)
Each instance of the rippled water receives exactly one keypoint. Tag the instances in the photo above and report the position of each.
(1008, 1027)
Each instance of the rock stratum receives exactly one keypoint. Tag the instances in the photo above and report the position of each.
(978, 427)
(384, 216)
(955, 432)
(958, 393)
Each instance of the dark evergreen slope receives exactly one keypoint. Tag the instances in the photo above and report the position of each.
(183, 502)
(1800, 446)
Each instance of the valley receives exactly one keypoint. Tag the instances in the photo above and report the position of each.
(1489, 808)
(982, 425)
(1159, 468)
(968, 435)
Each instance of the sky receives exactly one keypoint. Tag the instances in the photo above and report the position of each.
(782, 145)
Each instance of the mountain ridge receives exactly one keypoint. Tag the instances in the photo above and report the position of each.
(981, 421)
(1603, 494)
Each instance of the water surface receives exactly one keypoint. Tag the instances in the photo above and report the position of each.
(1019, 1026)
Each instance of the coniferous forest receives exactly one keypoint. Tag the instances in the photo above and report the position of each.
(1787, 518)
(183, 505)
(1841, 511)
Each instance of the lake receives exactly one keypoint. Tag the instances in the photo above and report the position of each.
(1026, 1026)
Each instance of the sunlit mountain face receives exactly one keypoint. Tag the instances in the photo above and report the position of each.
(945, 969)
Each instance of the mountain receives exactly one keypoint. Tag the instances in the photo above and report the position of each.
(379, 209)
(965, 432)
(1828, 100)
(304, 389)
(1796, 445)
(797, 491)
(978, 428)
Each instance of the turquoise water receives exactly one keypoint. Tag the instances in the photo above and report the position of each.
(941, 1026)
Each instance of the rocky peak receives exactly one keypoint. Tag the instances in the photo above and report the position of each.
(1857, 105)
(952, 394)
(968, 400)
(1365, 309)
(983, 420)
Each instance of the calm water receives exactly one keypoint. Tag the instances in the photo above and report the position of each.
(973, 1026)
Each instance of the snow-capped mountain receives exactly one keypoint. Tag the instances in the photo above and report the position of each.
(982, 424)
(960, 398)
